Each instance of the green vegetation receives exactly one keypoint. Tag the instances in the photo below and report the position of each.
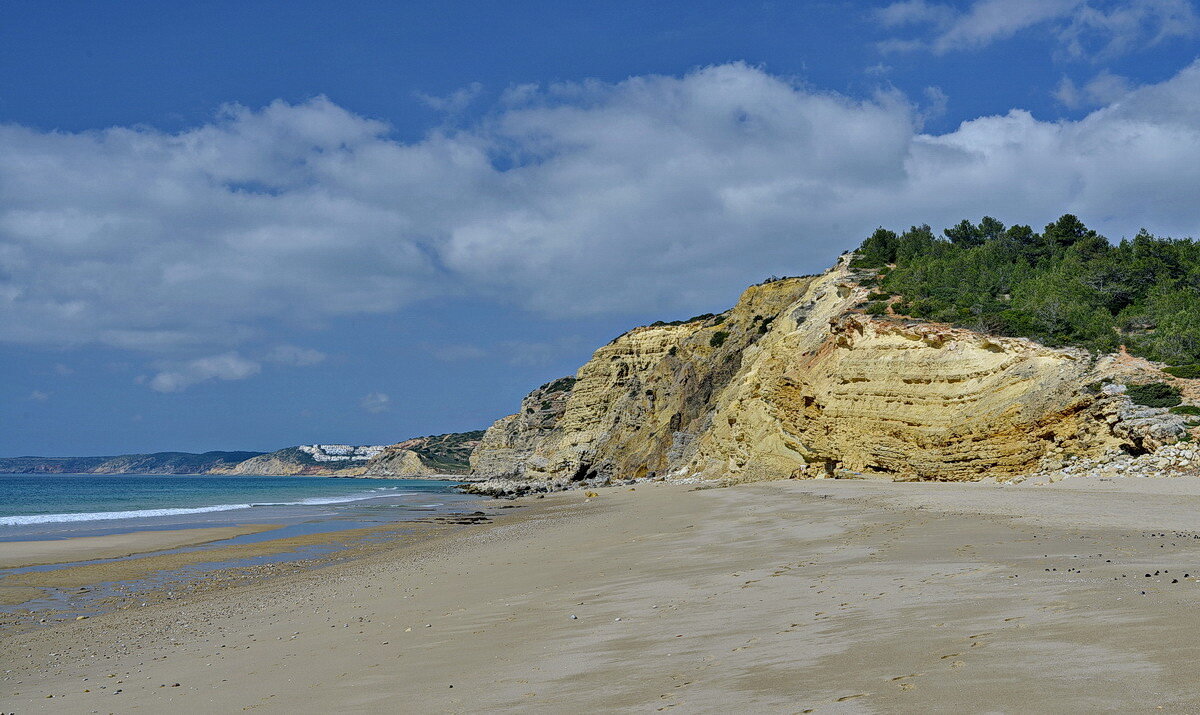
(693, 319)
(1186, 410)
(1187, 372)
(450, 453)
(776, 279)
(1064, 286)
(1155, 394)
(718, 338)
(562, 384)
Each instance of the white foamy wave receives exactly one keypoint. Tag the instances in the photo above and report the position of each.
(28, 519)
(105, 515)
(333, 500)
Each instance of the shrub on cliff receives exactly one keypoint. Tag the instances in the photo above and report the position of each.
(1187, 372)
(718, 338)
(1064, 286)
(1155, 394)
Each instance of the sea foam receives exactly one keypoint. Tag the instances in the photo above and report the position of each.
(27, 519)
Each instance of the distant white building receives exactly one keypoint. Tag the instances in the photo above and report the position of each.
(341, 452)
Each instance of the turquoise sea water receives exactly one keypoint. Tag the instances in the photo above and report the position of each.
(59, 506)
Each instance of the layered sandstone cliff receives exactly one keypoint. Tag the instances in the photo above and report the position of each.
(795, 381)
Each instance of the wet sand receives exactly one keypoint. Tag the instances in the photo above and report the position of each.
(332, 545)
(778, 597)
(85, 548)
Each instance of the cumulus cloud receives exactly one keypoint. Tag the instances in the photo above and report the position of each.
(228, 366)
(656, 193)
(375, 402)
(1094, 29)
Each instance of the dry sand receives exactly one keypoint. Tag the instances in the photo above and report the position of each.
(778, 597)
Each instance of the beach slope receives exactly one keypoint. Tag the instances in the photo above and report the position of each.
(825, 596)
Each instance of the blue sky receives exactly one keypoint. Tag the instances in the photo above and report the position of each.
(231, 226)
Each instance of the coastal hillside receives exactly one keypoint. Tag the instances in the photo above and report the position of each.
(317, 460)
(156, 463)
(827, 376)
(416, 457)
(420, 456)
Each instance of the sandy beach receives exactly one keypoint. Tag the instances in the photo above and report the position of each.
(813, 596)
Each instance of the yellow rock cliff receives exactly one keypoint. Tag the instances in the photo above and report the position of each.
(794, 382)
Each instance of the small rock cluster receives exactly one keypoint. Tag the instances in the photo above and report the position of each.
(1170, 461)
(513, 488)
(1151, 427)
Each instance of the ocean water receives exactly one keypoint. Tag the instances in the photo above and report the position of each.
(66, 505)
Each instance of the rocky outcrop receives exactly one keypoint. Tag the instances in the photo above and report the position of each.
(397, 463)
(512, 447)
(795, 381)
(447, 454)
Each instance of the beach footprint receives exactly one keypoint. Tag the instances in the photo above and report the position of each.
(844, 698)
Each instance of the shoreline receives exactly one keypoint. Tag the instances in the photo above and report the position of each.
(146, 575)
(777, 596)
(429, 477)
(39, 552)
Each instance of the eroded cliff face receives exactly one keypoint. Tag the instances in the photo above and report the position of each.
(793, 382)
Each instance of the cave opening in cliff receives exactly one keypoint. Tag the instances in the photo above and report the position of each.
(584, 472)
(1134, 449)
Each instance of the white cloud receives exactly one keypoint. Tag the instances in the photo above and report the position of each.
(664, 194)
(1093, 29)
(295, 356)
(375, 402)
(455, 102)
(1104, 88)
(989, 20)
(39, 396)
(228, 366)
(915, 12)
(1101, 32)
(937, 101)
